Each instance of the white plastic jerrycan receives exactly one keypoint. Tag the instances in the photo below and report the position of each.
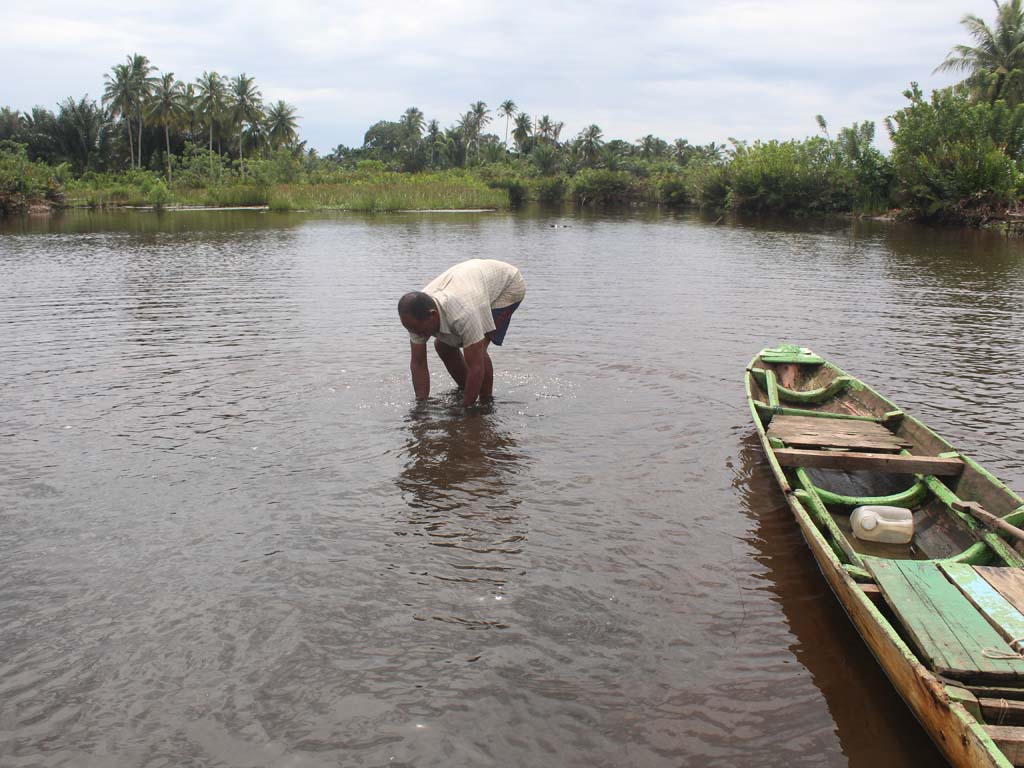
(889, 525)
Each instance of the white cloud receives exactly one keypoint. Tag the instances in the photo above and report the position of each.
(700, 70)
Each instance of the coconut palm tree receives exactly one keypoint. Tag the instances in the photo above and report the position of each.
(167, 107)
(556, 131)
(521, 134)
(143, 81)
(412, 124)
(508, 111)
(190, 107)
(479, 117)
(282, 124)
(117, 97)
(543, 128)
(256, 135)
(461, 137)
(245, 108)
(995, 63)
(433, 135)
(651, 147)
(589, 142)
(212, 103)
(682, 151)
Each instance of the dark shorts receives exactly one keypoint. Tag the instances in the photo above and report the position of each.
(502, 317)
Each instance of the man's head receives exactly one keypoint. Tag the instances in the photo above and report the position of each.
(419, 314)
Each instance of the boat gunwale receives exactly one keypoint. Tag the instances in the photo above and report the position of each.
(957, 733)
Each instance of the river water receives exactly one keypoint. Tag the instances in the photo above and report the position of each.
(230, 538)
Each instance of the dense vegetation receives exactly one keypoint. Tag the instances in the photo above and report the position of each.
(151, 139)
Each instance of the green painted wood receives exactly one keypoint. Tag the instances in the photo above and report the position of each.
(857, 461)
(978, 553)
(966, 699)
(836, 538)
(909, 498)
(859, 575)
(782, 410)
(950, 634)
(814, 396)
(772, 387)
(790, 353)
(1016, 517)
(1003, 550)
(1007, 620)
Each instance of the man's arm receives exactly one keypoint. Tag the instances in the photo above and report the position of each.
(476, 369)
(420, 372)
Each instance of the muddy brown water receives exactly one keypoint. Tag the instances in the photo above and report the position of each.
(229, 537)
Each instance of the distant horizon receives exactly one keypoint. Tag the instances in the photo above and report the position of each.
(683, 70)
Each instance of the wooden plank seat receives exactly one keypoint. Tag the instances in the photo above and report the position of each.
(950, 635)
(1008, 582)
(853, 461)
(813, 432)
(1010, 740)
(1004, 617)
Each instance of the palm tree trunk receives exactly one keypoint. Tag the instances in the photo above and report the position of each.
(241, 160)
(140, 140)
(211, 150)
(131, 144)
(167, 138)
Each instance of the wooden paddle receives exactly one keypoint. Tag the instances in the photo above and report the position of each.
(975, 509)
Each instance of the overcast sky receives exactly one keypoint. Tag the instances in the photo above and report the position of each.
(696, 69)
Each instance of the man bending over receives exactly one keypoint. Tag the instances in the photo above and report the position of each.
(465, 308)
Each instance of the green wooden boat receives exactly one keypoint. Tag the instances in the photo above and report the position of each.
(943, 612)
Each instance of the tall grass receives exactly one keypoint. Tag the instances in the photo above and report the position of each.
(352, 191)
(392, 194)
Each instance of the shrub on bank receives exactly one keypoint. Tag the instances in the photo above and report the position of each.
(24, 182)
(792, 177)
(955, 160)
(596, 186)
(549, 189)
(135, 187)
(707, 185)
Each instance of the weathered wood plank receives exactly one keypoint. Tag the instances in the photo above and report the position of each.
(1010, 739)
(1008, 582)
(950, 634)
(815, 442)
(868, 462)
(807, 431)
(1002, 711)
(817, 422)
(1004, 618)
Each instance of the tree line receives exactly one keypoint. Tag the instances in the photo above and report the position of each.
(146, 118)
(412, 144)
(957, 154)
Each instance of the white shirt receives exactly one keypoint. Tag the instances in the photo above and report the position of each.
(465, 295)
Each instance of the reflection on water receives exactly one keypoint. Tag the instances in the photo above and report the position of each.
(459, 480)
(861, 702)
(458, 456)
(231, 538)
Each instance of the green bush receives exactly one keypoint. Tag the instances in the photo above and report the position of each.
(550, 189)
(956, 160)
(707, 185)
(594, 186)
(198, 167)
(792, 177)
(24, 182)
(672, 191)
